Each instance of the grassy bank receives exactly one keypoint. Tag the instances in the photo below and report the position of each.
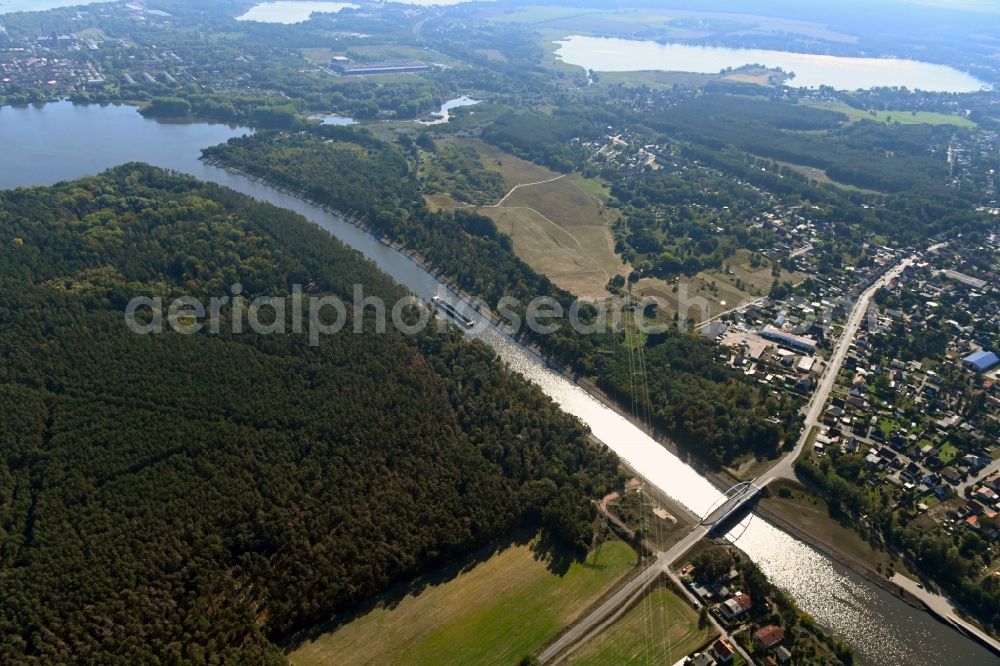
(803, 511)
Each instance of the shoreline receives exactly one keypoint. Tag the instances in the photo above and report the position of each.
(716, 478)
(720, 478)
(853, 564)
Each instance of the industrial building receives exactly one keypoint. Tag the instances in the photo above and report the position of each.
(797, 342)
(967, 280)
(981, 361)
(349, 68)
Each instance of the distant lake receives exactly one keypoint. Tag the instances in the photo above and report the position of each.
(291, 11)
(11, 6)
(334, 119)
(607, 54)
(62, 141)
(444, 114)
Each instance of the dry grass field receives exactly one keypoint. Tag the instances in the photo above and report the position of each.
(710, 293)
(558, 223)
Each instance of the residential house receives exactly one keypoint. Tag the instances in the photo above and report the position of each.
(722, 651)
(951, 475)
(700, 659)
(769, 636)
(737, 605)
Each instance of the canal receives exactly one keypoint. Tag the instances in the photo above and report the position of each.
(62, 141)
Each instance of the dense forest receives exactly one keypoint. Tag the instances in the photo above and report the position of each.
(697, 400)
(879, 156)
(196, 497)
(715, 414)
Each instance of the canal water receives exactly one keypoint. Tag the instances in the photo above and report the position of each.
(61, 141)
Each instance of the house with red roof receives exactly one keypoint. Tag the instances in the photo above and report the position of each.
(768, 636)
(735, 606)
(722, 651)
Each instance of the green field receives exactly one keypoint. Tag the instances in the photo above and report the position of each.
(947, 453)
(625, 22)
(495, 612)
(820, 176)
(661, 629)
(903, 117)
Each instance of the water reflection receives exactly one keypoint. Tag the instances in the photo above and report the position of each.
(881, 628)
(443, 115)
(291, 11)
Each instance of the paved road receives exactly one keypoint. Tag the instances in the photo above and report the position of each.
(618, 603)
(973, 479)
(786, 466)
(943, 608)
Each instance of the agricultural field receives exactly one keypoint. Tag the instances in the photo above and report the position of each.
(903, 117)
(494, 610)
(660, 629)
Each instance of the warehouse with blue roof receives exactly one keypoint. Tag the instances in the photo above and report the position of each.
(981, 361)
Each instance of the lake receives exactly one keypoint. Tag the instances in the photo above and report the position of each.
(340, 121)
(46, 144)
(291, 11)
(443, 114)
(611, 54)
(11, 6)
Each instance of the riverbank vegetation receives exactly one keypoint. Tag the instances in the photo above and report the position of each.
(128, 451)
(955, 560)
(187, 496)
(714, 413)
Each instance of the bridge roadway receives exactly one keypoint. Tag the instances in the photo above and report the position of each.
(619, 602)
(745, 493)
